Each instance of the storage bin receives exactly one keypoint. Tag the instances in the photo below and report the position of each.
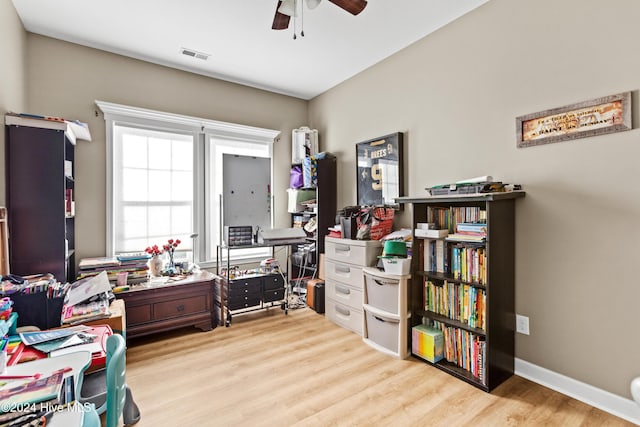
(397, 266)
(37, 310)
(427, 343)
(382, 330)
(382, 293)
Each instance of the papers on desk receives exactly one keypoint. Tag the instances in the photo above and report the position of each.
(87, 299)
(31, 338)
(66, 342)
(84, 289)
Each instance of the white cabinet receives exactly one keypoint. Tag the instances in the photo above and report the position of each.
(344, 279)
(385, 312)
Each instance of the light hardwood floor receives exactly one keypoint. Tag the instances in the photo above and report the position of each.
(272, 369)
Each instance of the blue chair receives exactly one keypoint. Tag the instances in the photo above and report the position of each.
(107, 389)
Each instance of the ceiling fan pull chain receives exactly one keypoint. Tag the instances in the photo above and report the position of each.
(295, 19)
(302, 19)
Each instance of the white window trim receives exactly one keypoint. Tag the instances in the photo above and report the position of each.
(124, 114)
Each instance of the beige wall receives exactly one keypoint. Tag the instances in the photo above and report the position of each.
(12, 72)
(65, 79)
(456, 94)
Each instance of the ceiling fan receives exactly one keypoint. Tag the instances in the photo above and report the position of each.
(287, 8)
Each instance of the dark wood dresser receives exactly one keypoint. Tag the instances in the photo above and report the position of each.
(167, 303)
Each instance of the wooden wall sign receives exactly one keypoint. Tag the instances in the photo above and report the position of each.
(596, 117)
(380, 172)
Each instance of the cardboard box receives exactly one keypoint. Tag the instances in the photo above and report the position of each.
(321, 267)
(427, 343)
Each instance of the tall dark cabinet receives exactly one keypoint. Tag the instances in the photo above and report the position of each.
(324, 215)
(39, 195)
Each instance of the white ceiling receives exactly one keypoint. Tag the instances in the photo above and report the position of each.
(238, 35)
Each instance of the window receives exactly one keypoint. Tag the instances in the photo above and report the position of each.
(165, 179)
(152, 188)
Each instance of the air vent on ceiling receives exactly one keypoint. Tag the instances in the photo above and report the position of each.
(194, 53)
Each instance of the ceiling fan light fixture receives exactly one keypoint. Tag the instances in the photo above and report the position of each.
(288, 7)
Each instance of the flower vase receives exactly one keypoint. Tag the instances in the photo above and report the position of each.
(155, 266)
(171, 268)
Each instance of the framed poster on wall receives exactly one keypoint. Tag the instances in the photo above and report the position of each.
(380, 172)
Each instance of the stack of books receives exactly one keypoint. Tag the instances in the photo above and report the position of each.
(469, 232)
(133, 264)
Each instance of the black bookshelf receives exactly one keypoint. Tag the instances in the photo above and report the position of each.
(499, 287)
(41, 224)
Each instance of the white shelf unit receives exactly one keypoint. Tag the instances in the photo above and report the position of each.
(386, 312)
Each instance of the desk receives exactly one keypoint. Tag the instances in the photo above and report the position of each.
(78, 361)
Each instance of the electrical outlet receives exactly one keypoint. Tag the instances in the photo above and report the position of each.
(522, 324)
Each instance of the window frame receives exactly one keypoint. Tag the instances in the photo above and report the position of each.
(203, 130)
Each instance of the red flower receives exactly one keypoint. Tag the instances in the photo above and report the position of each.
(168, 247)
(153, 250)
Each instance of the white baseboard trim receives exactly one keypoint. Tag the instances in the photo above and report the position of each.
(619, 406)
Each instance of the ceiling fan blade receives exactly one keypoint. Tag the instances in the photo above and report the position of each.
(280, 20)
(312, 4)
(354, 7)
(288, 7)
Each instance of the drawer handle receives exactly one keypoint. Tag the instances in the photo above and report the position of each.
(379, 319)
(342, 311)
(343, 248)
(343, 290)
(381, 283)
(180, 308)
(342, 269)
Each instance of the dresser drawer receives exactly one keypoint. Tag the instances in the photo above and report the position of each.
(245, 286)
(344, 294)
(346, 273)
(273, 282)
(181, 307)
(244, 301)
(344, 316)
(243, 291)
(138, 314)
(359, 252)
(273, 295)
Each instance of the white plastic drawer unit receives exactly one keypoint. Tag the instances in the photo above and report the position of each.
(343, 294)
(345, 316)
(359, 252)
(345, 273)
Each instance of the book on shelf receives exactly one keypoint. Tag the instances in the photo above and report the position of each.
(475, 228)
(430, 234)
(458, 237)
(95, 262)
(440, 255)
